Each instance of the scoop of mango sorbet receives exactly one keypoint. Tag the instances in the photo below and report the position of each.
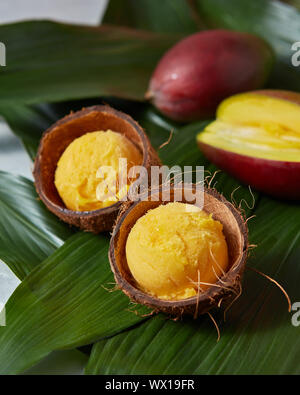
(77, 174)
(176, 250)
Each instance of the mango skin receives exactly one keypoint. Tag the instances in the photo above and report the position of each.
(275, 178)
(280, 179)
(195, 75)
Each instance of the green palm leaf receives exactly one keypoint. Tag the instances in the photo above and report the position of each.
(257, 337)
(49, 61)
(29, 233)
(28, 123)
(159, 16)
(63, 303)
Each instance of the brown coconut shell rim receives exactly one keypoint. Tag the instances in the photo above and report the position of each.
(203, 301)
(56, 205)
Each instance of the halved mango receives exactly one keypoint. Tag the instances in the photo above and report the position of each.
(256, 138)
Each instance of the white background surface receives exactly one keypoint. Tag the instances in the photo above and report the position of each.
(14, 159)
(87, 12)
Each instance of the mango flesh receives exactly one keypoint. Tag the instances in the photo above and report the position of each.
(200, 71)
(78, 179)
(176, 250)
(256, 138)
(258, 126)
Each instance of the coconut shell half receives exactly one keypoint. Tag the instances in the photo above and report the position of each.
(227, 287)
(57, 138)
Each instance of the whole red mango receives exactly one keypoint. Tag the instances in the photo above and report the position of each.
(195, 75)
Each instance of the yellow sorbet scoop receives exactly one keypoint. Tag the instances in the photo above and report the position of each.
(176, 250)
(78, 177)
